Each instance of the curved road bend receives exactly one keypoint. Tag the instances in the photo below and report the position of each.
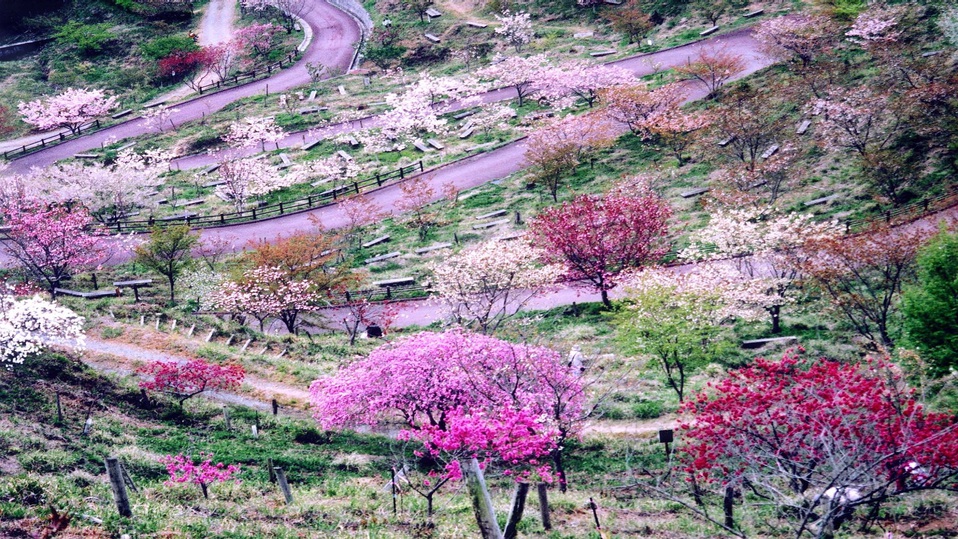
(739, 42)
(334, 31)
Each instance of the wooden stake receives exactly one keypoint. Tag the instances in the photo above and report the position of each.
(272, 470)
(210, 336)
(59, 409)
(544, 506)
(515, 513)
(190, 332)
(226, 418)
(246, 344)
(119, 488)
(481, 501)
(275, 407)
(284, 485)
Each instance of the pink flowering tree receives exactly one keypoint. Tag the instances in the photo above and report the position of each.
(71, 109)
(50, 242)
(484, 286)
(428, 380)
(515, 28)
(29, 325)
(257, 38)
(555, 151)
(270, 291)
(187, 379)
(636, 106)
(712, 68)
(516, 72)
(597, 238)
(221, 59)
(676, 130)
(182, 469)
(562, 86)
(796, 37)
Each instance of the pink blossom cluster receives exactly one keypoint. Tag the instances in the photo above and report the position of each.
(182, 469)
(71, 109)
(190, 378)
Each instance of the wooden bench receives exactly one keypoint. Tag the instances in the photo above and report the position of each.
(726, 142)
(466, 133)
(342, 90)
(511, 237)
(185, 203)
(399, 281)
(312, 96)
(211, 168)
(435, 144)
(351, 140)
(382, 258)
(930, 54)
(490, 224)
(599, 54)
(421, 147)
(432, 38)
(492, 214)
(121, 114)
(709, 32)
(180, 217)
(464, 114)
(96, 294)
(803, 127)
(434, 247)
(377, 241)
(758, 343)
(772, 150)
(336, 190)
(755, 13)
(309, 110)
(310, 145)
(819, 201)
(433, 13)
(286, 161)
(583, 35)
(126, 146)
(217, 183)
(135, 284)
(694, 192)
(86, 156)
(476, 24)
(345, 156)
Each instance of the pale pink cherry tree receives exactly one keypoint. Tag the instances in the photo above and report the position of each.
(515, 28)
(360, 210)
(29, 325)
(712, 67)
(492, 116)
(597, 238)
(636, 105)
(766, 249)
(417, 193)
(257, 38)
(562, 86)
(111, 192)
(221, 59)
(519, 73)
(156, 117)
(482, 287)
(52, 241)
(245, 178)
(266, 292)
(556, 150)
(187, 379)
(676, 130)
(182, 469)
(858, 119)
(877, 25)
(71, 109)
(797, 37)
(253, 131)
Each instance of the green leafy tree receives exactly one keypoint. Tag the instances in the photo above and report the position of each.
(168, 253)
(165, 46)
(931, 306)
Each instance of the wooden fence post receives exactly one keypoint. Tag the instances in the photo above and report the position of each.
(119, 487)
(544, 506)
(481, 501)
(515, 513)
(284, 485)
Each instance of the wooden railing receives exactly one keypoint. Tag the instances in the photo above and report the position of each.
(324, 198)
(52, 140)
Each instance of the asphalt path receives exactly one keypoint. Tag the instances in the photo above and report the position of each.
(334, 33)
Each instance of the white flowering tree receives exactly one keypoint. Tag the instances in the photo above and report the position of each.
(517, 72)
(29, 325)
(765, 249)
(483, 286)
(108, 192)
(515, 28)
(564, 85)
(267, 292)
(247, 178)
(156, 117)
(253, 131)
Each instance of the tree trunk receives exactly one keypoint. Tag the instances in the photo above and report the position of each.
(776, 312)
(542, 488)
(727, 507)
(515, 513)
(560, 469)
(605, 299)
(172, 294)
(481, 501)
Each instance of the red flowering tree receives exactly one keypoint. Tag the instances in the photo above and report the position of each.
(50, 241)
(190, 378)
(596, 238)
(818, 439)
(182, 469)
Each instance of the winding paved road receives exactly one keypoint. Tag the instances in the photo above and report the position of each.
(334, 33)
